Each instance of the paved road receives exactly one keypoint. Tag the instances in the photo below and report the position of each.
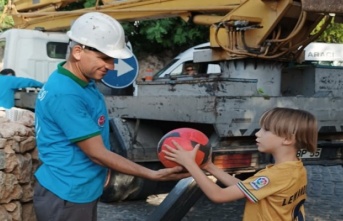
(203, 210)
(324, 203)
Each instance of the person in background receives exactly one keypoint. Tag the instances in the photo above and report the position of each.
(277, 192)
(9, 83)
(72, 126)
(190, 70)
(7, 71)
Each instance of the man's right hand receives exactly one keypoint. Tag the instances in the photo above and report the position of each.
(175, 173)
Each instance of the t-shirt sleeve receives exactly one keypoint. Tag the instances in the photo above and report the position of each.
(71, 114)
(264, 183)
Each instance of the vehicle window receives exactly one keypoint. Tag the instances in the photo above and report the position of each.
(208, 68)
(2, 53)
(177, 71)
(213, 69)
(57, 50)
(163, 70)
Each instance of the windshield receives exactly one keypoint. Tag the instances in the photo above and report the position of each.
(162, 71)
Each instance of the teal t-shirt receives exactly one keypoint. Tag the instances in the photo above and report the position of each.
(9, 85)
(69, 110)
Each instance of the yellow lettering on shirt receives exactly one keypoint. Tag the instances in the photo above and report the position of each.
(294, 197)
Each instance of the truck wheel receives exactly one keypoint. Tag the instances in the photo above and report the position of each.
(120, 187)
(324, 193)
(178, 202)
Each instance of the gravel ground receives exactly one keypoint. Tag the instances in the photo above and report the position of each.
(324, 203)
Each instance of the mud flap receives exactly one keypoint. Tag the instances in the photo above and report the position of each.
(178, 202)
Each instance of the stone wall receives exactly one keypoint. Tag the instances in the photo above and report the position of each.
(152, 62)
(18, 161)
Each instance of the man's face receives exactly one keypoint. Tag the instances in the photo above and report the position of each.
(94, 64)
(190, 71)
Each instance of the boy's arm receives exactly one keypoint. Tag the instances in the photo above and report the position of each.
(214, 192)
(220, 174)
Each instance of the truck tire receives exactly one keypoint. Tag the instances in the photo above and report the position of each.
(178, 202)
(324, 193)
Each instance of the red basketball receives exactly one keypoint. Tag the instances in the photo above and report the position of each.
(188, 138)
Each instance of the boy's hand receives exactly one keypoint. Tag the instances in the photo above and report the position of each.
(208, 164)
(180, 155)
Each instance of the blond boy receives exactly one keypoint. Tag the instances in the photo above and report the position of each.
(277, 192)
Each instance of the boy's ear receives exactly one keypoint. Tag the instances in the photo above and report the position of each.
(289, 141)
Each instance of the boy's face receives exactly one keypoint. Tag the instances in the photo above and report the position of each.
(267, 141)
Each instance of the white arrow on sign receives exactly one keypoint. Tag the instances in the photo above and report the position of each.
(122, 68)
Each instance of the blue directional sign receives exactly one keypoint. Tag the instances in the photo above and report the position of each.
(124, 73)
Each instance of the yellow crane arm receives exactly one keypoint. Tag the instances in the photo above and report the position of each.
(269, 29)
(29, 15)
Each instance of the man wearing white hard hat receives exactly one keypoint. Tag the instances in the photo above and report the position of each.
(72, 126)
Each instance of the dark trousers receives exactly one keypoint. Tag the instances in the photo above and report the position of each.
(49, 207)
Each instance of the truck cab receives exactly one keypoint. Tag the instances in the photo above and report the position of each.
(176, 68)
(32, 53)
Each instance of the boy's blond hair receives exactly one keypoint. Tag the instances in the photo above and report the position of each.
(287, 122)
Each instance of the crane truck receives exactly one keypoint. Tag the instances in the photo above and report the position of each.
(258, 46)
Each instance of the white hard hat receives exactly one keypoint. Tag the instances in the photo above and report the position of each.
(102, 32)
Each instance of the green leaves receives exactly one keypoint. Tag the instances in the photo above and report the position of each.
(156, 31)
(154, 36)
(333, 34)
(7, 21)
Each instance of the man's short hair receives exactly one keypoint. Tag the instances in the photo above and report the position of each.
(7, 71)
